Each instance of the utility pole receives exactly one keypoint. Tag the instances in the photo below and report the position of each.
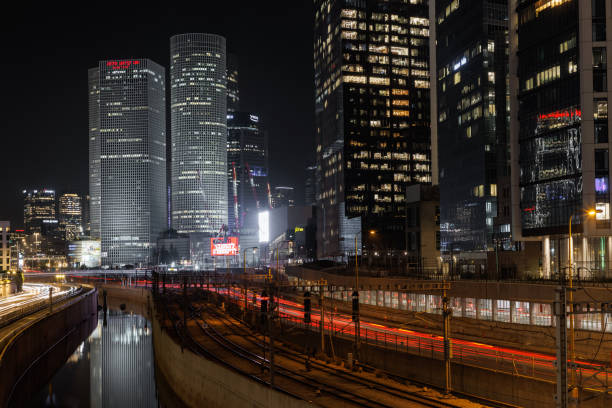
(448, 352)
(561, 327)
(270, 334)
(356, 303)
(322, 318)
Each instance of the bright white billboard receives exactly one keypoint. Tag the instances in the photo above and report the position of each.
(264, 226)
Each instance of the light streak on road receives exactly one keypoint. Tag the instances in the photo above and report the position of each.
(527, 363)
(32, 293)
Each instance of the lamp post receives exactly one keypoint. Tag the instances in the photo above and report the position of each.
(570, 297)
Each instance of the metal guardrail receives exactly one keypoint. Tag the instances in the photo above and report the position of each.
(36, 306)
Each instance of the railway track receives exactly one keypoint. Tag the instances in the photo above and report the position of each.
(375, 388)
(248, 336)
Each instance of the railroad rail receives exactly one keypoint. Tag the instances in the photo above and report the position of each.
(380, 386)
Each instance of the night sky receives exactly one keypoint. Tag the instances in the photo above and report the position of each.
(48, 49)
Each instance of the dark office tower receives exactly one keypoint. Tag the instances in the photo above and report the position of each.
(93, 85)
(472, 118)
(233, 90)
(247, 160)
(559, 131)
(310, 186)
(39, 215)
(371, 61)
(199, 133)
(132, 144)
(70, 216)
(283, 196)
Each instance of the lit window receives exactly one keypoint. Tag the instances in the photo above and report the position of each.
(457, 78)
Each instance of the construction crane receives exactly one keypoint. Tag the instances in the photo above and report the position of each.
(269, 196)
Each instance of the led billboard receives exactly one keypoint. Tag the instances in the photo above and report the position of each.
(227, 246)
(264, 226)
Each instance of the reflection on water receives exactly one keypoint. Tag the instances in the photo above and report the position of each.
(114, 367)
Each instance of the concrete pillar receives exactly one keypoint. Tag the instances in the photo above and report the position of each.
(462, 301)
(512, 310)
(477, 307)
(531, 319)
(586, 251)
(608, 270)
(494, 309)
(546, 257)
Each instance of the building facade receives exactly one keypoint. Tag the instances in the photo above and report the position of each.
(371, 61)
(310, 186)
(471, 119)
(93, 90)
(39, 215)
(559, 131)
(70, 216)
(198, 109)
(132, 161)
(5, 247)
(282, 196)
(247, 159)
(233, 90)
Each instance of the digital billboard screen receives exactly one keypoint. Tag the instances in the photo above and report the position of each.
(227, 246)
(264, 226)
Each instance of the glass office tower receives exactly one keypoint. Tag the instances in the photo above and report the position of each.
(371, 62)
(198, 105)
(131, 113)
(471, 76)
(559, 129)
(247, 156)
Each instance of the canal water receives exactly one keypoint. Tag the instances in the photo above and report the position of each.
(113, 367)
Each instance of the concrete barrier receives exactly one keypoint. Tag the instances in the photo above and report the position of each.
(494, 385)
(36, 339)
(200, 382)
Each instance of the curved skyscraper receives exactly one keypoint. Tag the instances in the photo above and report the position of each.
(199, 132)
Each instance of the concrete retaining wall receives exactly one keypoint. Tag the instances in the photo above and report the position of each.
(36, 339)
(200, 382)
(513, 389)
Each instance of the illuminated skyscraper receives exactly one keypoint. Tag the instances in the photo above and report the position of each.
(131, 141)
(247, 157)
(198, 104)
(39, 211)
(472, 121)
(93, 85)
(560, 151)
(5, 247)
(70, 216)
(371, 61)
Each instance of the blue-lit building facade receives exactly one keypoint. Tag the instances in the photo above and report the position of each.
(559, 131)
(131, 140)
(371, 62)
(472, 122)
(247, 174)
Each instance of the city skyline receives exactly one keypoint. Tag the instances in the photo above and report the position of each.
(281, 96)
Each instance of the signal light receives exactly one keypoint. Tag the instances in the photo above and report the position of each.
(307, 307)
(355, 316)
